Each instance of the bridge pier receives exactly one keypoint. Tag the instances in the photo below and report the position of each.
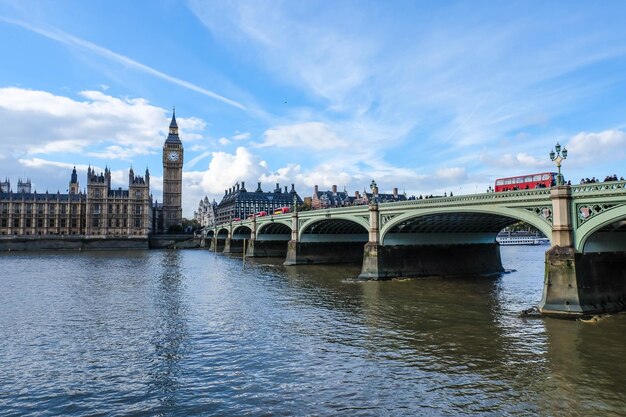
(386, 262)
(578, 284)
(233, 245)
(217, 245)
(301, 253)
(266, 248)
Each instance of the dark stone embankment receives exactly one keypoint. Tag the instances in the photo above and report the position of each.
(34, 243)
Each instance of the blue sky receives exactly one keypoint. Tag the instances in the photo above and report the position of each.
(424, 96)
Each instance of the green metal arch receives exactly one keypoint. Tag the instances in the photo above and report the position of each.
(309, 222)
(260, 227)
(220, 229)
(596, 223)
(514, 213)
(241, 226)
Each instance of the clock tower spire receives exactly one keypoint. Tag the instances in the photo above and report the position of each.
(172, 177)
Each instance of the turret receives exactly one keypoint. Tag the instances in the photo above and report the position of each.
(5, 186)
(73, 188)
(23, 186)
(172, 137)
(107, 177)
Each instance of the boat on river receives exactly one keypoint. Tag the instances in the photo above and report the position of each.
(521, 240)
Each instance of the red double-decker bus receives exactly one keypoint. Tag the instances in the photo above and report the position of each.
(526, 182)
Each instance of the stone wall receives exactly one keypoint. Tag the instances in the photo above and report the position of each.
(70, 243)
(174, 242)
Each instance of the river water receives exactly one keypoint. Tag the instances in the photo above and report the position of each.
(193, 333)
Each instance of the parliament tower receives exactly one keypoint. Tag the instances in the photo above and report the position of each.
(172, 178)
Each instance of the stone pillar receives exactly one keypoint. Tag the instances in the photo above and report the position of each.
(228, 238)
(371, 253)
(583, 283)
(250, 252)
(562, 232)
(292, 245)
(560, 287)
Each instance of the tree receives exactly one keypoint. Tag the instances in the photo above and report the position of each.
(190, 226)
(174, 229)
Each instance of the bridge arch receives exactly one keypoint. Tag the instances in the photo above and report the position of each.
(222, 233)
(241, 232)
(350, 229)
(210, 233)
(584, 237)
(274, 230)
(477, 220)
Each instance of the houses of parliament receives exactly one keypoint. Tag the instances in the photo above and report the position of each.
(99, 211)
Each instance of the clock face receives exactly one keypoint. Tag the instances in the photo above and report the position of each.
(172, 156)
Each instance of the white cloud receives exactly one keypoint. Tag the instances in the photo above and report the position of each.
(451, 174)
(284, 176)
(70, 40)
(224, 141)
(312, 135)
(197, 159)
(226, 169)
(606, 145)
(38, 162)
(241, 136)
(102, 126)
(223, 171)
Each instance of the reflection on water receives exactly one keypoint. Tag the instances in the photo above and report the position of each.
(191, 333)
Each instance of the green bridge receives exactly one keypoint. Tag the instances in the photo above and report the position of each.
(452, 236)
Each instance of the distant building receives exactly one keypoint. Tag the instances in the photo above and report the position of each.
(238, 203)
(100, 212)
(333, 198)
(205, 215)
(366, 197)
(330, 198)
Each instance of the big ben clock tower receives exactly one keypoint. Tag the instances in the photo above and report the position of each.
(172, 178)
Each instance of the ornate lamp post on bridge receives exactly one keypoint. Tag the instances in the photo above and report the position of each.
(558, 157)
(374, 189)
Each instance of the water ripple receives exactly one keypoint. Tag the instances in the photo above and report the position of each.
(182, 333)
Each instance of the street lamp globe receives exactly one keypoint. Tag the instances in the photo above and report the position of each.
(557, 156)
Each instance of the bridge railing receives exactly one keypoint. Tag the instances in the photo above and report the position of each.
(601, 187)
(534, 194)
(539, 194)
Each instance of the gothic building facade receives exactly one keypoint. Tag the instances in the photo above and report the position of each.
(205, 215)
(172, 178)
(98, 212)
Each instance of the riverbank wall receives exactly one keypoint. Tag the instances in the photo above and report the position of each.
(34, 243)
(79, 243)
